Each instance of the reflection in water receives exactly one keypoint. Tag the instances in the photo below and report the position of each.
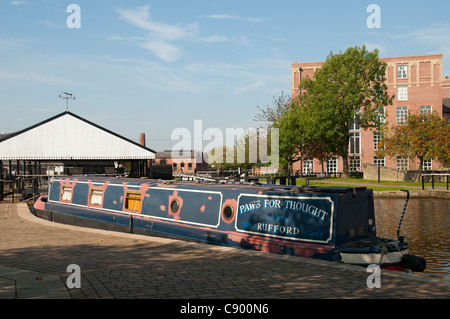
(426, 227)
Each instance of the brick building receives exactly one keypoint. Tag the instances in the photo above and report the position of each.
(185, 164)
(419, 87)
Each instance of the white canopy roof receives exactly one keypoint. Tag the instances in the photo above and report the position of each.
(67, 136)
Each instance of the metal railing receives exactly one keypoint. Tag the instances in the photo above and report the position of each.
(432, 179)
(22, 188)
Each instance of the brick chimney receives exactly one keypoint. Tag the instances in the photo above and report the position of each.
(142, 139)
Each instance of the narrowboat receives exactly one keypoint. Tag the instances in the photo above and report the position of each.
(330, 223)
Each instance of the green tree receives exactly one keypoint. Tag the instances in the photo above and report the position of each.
(422, 136)
(348, 87)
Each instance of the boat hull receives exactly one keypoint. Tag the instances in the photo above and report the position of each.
(295, 221)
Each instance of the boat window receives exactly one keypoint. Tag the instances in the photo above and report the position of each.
(133, 201)
(95, 197)
(174, 206)
(66, 194)
(228, 213)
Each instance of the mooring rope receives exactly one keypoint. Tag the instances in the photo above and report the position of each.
(403, 213)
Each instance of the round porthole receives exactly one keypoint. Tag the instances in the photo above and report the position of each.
(174, 206)
(228, 213)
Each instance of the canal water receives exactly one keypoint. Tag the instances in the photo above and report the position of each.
(426, 227)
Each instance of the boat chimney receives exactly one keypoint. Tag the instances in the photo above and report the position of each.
(142, 139)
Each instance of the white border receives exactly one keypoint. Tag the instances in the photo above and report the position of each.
(287, 237)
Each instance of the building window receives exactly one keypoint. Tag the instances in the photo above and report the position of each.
(355, 143)
(427, 164)
(308, 166)
(189, 166)
(402, 71)
(381, 116)
(133, 201)
(332, 165)
(66, 194)
(376, 140)
(354, 126)
(425, 109)
(401, 114)
(96, 197)
(402, 93)
(174, 166)
(378, 161)
(402, 163)
(355, 163)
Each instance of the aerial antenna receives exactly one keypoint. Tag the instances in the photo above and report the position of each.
(67, 96)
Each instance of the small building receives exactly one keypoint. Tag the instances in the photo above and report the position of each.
(68, 144)
(182, 163)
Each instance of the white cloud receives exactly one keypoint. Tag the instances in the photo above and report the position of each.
(17, 2)
(253, 86)
(164, 39)
(141, 18)
(163, 50)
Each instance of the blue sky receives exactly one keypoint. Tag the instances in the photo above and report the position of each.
(154, 66)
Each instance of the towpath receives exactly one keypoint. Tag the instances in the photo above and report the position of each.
(35, 254)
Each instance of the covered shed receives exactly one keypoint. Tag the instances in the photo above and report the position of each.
(71, 145)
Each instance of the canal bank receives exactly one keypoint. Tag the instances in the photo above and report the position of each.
(441, 194)
(126, 266)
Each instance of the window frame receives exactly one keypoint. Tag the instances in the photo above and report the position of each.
(425, 109)
(63, 193)
(402, 163)
(402, 71)
(401, 114)
(379, 161)
(402, 96)
(126, 201)
(354, 147)
(91, 193)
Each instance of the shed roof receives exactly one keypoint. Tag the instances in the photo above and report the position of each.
(68, 136)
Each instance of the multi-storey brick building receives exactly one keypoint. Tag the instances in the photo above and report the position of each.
(419, 87)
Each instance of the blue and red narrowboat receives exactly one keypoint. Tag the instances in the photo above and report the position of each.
(330, 223)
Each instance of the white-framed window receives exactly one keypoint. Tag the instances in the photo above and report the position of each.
(402, 163)
(355, 126)
(376, 140)
(66, 194)
(355, 163)
(402, 93)
(381, 116)
(402, 71)
(378, 161)
(425, 109)
(332, 165)
(401, 114)
(355, 143)
(427, 164)
(96, 197)
(308, 166)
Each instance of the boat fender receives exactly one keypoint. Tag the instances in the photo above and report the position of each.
(413, 263)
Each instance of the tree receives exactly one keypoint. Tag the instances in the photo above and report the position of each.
(271, 113)
(348, 87)
(422, 136)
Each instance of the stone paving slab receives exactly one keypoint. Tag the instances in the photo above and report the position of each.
(126, 266)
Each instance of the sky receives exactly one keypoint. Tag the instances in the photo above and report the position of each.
(156, 66)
